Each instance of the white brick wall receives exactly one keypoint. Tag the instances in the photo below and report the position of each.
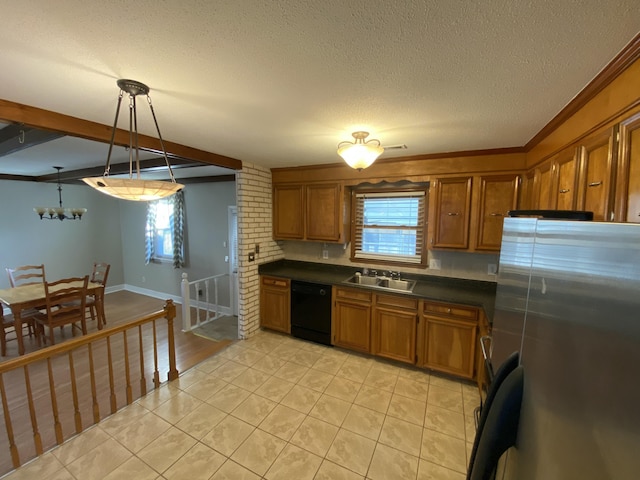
(253, 198)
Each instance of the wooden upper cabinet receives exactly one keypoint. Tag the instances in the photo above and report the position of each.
(498, 195)
(315, 212)
(288, 212)
(564, 193)
(628, 183)
(526, 191)
(543, 180)
(451, 212)
(324, 213)
(597, 159)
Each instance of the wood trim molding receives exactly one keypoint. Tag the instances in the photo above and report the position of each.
(77, 127)
(620, 62)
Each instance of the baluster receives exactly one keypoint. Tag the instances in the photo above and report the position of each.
(215, 296)
(156, 372)
(114, 403)
(197, 292)
(206, 282)
(15, 457)
(74, 391)
(143, 380)
(186, 303)
(37, 439)
(127, 373)
(57, 426)
(170, 313)
(94, 395)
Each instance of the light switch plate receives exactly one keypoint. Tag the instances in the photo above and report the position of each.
(492, 269)
(252, 256)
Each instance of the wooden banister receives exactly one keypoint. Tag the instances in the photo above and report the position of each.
(78, 377)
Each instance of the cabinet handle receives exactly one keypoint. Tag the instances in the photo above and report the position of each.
(448, 310)
(564, 190)
(451, 214)
(595, 184)
(497, 214)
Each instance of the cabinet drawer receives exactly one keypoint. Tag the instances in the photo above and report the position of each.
(352, 294)
(397, 301)
(275, 282)
(451, 310)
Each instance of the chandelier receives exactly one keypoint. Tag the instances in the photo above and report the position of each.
(59, 213)
(360, 154)
(132, 188)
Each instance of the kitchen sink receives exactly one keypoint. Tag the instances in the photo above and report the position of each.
(383, 283)
(405, 285)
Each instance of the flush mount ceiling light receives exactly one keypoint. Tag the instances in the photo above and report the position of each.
(132, 188)
(59, 213)
(360, 154)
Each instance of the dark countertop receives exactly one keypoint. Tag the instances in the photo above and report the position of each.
(428, 287)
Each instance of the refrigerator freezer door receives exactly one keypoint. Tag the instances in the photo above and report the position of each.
(581, 353)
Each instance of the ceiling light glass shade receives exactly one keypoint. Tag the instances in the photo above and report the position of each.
(131, 188)
(360, 154)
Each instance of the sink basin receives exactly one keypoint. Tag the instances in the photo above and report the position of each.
(362, 280)
(404, 285)
(383, 283)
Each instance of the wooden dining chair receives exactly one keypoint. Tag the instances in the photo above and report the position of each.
(65, 304)
(26, 275)
(99, 275)
(6, 326)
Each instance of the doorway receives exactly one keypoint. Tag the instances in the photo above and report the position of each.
(234, 290)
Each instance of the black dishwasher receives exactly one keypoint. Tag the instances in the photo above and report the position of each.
(311, 311)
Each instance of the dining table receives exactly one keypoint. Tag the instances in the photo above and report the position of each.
(25, 297)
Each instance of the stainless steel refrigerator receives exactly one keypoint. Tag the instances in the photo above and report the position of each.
(568, 299)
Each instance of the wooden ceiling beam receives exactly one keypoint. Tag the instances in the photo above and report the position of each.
(77, 127)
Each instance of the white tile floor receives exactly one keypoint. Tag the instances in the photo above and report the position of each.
(276, 407)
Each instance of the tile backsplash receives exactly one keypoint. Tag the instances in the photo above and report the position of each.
(472, 266)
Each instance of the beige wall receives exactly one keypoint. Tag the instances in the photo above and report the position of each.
(472, 266)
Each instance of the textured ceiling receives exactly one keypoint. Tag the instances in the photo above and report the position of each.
(282, 82)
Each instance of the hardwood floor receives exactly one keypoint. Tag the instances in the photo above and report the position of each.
(120, 307)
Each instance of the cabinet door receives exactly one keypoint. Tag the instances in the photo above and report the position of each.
(564, 191)
(288, 212)
(526, 192)
(393, 333)
(450, 345)
(451, 222)
(596, 165)
(352, 325)
(324, 213)
(275, 304)
(544, 175)
(628, 184)
(498, 195)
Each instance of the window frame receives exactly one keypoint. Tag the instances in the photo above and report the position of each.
(165, 257)
(356, 193)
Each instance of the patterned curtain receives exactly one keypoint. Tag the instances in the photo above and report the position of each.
(149, 233)
(177, 227)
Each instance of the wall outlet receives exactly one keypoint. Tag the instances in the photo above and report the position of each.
(325, 254)
(434, 264)
(144, 279)
(492, 269)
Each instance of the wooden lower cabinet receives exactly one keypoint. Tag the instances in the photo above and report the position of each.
(275, 303)
(448, 338)
(351, 319)
(394, 328)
